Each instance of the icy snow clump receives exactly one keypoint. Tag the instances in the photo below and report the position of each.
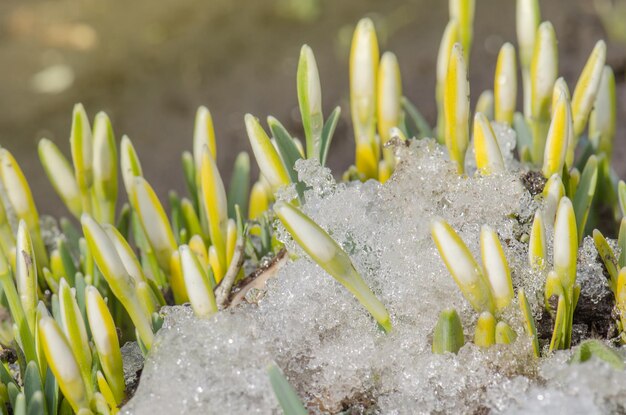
(330, 348)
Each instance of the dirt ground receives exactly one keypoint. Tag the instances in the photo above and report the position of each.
(149, 64)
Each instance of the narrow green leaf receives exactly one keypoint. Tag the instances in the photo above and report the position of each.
(584, 195)
(190, 174)
(529, 320)
(124, 221)
(557, 341)
(66, 258)
(239, 187)
(327, 134)
(286, 147)
(418, 120)
(192, 222)
(607, 256)
(285, 393)
(5, 376)
(522, 132)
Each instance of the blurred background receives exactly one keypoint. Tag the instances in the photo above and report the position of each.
(150, 63)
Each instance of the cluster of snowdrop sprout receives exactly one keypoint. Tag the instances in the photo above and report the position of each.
(75, 293)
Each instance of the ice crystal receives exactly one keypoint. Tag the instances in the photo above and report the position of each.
(328, 345)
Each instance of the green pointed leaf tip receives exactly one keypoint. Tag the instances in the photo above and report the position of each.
(448, 334)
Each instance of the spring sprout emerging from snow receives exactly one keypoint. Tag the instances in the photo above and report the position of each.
(75, 293)
(329, 255)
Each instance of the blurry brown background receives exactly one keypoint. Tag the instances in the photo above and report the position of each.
(150, 63)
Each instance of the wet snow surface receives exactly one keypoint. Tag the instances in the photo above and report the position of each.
(331, 349)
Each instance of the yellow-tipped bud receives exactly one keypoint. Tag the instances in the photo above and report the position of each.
(456, 108)
(485, 104)
(266, 156)
(557, 142)
(105, 338)
(505, 85)
(21, 200)
(463, 12)
(122, 285)
(197, 282)
(537, 244)
(259, 200)
(553, 191)
(214, 203)
(565, 243)
(154, 221)
(203, 135)
(310, 100)
(126, 253)
(587, 88)
(329, 255)
(199, 249)
(63, 364)
(364, 58)
(26, 274)
(61, 175)
(504, 333)
(384, 171)
(449, 38)
(104, 168)
(544, 69)
(129, 164)
(389, 94)
(75, 331)
(485, 333)
(486, 149)
(464, 269)
(527, 19)
(496, 267)
(620, 295)
(218, 270)
(177, 281)
(543, 74)
(81, 144)
(602, 118)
